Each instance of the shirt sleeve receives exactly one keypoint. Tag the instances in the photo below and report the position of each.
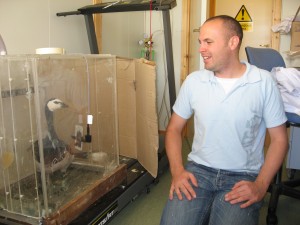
(274, 114)
(182, 106)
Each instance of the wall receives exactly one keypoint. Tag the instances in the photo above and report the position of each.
(261, 15)
(121, 33)
(30, 24)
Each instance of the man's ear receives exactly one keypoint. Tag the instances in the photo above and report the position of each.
(234, 42)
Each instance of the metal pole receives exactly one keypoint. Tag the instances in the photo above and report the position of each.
(169, 57)
(90, 28)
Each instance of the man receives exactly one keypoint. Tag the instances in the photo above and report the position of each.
(233, 103)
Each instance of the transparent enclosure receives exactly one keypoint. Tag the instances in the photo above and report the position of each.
(58, 129)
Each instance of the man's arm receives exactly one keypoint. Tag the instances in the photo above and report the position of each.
(181, 179)
(251, 192)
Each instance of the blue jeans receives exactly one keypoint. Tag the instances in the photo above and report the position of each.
(209, 207)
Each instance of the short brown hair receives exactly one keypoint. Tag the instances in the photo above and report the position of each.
(232, 25)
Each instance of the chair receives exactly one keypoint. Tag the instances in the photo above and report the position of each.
(267, 58)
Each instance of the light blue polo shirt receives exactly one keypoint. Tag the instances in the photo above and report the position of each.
(230, 128)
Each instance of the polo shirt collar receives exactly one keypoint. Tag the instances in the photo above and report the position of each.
(249, 76)
(208, 76)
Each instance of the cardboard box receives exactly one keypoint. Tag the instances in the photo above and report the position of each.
(295, 32)
(137, 115)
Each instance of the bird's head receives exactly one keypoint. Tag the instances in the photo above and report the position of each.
(54, 104)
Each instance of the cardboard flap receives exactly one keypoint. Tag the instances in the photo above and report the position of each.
(146, 115)
(126, 107)
(137, 113)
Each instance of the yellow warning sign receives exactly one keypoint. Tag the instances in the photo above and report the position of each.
(247, 26)
(243, 15)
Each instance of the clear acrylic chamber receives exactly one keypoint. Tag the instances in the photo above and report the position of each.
(58, 130)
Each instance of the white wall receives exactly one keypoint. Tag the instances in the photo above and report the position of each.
(29, 24)
(122, 32)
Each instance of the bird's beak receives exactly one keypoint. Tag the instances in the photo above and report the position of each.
(63, 105)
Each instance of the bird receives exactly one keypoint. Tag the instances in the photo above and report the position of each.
(56, 152)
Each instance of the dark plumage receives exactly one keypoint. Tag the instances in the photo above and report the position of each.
(55, 150)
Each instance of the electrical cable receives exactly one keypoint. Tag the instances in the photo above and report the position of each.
(150, 39)
(88, 136)
(150, 20)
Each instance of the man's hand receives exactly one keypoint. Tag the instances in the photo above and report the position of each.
(246, 192)
(183, 182)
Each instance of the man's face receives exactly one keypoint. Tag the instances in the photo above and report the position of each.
(214, 47)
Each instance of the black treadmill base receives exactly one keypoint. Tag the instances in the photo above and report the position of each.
(138, 180)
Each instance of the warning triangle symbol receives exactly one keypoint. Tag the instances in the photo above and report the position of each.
(243, 15)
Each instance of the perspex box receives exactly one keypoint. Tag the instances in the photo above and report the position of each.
(58, 130)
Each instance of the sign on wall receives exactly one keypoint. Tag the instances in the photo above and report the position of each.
(244, 18)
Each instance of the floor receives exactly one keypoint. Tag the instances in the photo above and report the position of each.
(146, 209)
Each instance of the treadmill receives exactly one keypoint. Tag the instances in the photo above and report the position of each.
(138, 179)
